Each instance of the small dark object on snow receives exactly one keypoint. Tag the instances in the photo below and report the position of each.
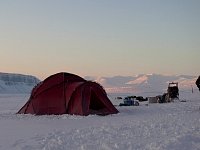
(118, 98)
(130, 101)
(172, 92)
(171, 95)
(198, 82)
(141, 99)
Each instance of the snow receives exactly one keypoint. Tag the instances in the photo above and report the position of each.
(140, 80)
(16, 83)
(145, 83)
(146, 127)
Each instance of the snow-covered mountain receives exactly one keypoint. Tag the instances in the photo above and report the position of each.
(145, 83)
(16, 83)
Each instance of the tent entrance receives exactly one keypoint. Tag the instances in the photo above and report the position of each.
(96, 106)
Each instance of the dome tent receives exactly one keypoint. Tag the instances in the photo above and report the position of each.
(65, 93)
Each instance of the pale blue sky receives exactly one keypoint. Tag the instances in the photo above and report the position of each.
(100, 37)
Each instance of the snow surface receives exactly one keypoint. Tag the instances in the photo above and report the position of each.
(146, 127)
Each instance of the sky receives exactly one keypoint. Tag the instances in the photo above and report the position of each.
(100, 37)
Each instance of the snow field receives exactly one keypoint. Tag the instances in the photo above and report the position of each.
(146, 127)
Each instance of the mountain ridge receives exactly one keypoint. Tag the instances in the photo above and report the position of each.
(136, 84)
(16, 83)
(145, 83)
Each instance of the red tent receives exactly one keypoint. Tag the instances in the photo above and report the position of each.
(65, 93)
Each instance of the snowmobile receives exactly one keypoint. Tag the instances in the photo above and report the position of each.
(130, 101)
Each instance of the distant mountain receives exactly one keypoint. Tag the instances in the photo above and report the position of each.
(145, 83)
(16, 83)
